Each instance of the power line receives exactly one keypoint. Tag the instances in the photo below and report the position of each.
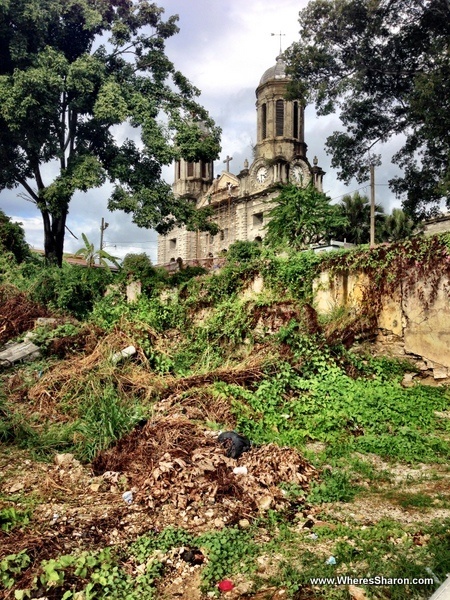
(131, 243)
(363, 187)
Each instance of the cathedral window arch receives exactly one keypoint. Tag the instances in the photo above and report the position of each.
(295, 120)
(279, 117)
(264, 121)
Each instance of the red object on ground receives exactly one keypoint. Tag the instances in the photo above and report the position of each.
(226, 585)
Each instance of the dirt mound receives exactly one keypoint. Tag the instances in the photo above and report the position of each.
(17, 314)
(84, 341)
(173, 461)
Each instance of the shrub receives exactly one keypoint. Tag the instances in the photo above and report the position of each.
(138, 267)
(12, 238)
(70, 288)
(243, 251)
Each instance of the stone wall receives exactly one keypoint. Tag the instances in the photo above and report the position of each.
(422, 331)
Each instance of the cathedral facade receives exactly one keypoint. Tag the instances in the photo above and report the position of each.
(241, 202)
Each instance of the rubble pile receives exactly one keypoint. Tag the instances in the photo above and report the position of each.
(171, 460)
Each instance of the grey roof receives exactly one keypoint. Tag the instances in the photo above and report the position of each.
(276, 72)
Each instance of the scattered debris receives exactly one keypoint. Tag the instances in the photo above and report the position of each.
(125, 353)
(433, 575)
(173, 461)
(225, 585)
(240, 470)
(235, 443)
(193, 556)
(22, 351)
(128, 497)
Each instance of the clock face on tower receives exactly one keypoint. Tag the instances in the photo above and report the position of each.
(300, 174)
(261, 174)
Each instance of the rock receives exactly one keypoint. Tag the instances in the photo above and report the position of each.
(265, 503)
(21, 351)
(407, 380)
(45, 321)
(356, 593)
(16, 487)
(243, 588)
(244, 523)
(128, 497)
(440, 372)
(421, 365)
(219, 523)
(209, 513)
(63, 459)
(324, 524)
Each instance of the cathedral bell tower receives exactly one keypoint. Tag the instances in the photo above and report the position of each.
(192, 179)
(280, 122)
(280, 155)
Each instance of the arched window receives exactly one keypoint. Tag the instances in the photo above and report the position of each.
(295, 121)
(264, 121)
(279, 117)
(190, 169)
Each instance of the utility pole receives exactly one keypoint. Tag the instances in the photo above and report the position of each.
(102, 229)
(372, 205)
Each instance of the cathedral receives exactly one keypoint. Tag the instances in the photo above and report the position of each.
(241, 202)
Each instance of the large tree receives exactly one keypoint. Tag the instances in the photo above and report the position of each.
(71, 70)
(399, 226)
(356, 209)
(300, 217)
(384, 66)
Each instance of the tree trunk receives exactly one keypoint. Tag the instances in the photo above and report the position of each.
(54, 229)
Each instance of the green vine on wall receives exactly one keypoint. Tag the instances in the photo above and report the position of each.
(419, 264)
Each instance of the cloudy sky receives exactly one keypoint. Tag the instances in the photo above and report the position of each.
(223, 47)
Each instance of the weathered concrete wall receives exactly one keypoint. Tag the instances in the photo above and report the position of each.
(423, 330)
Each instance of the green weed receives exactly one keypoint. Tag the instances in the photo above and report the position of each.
(105, 419)
(229, 551)
(10, 518)
(411, 500)
(11, 566)
(336, 486)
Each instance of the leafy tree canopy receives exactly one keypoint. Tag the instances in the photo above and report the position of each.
(356, 209)
(399, 226)
(71, 70)
(301, 216)
(12, 238)
(385, 65)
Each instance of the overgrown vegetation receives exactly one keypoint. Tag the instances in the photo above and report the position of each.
(211, 355)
